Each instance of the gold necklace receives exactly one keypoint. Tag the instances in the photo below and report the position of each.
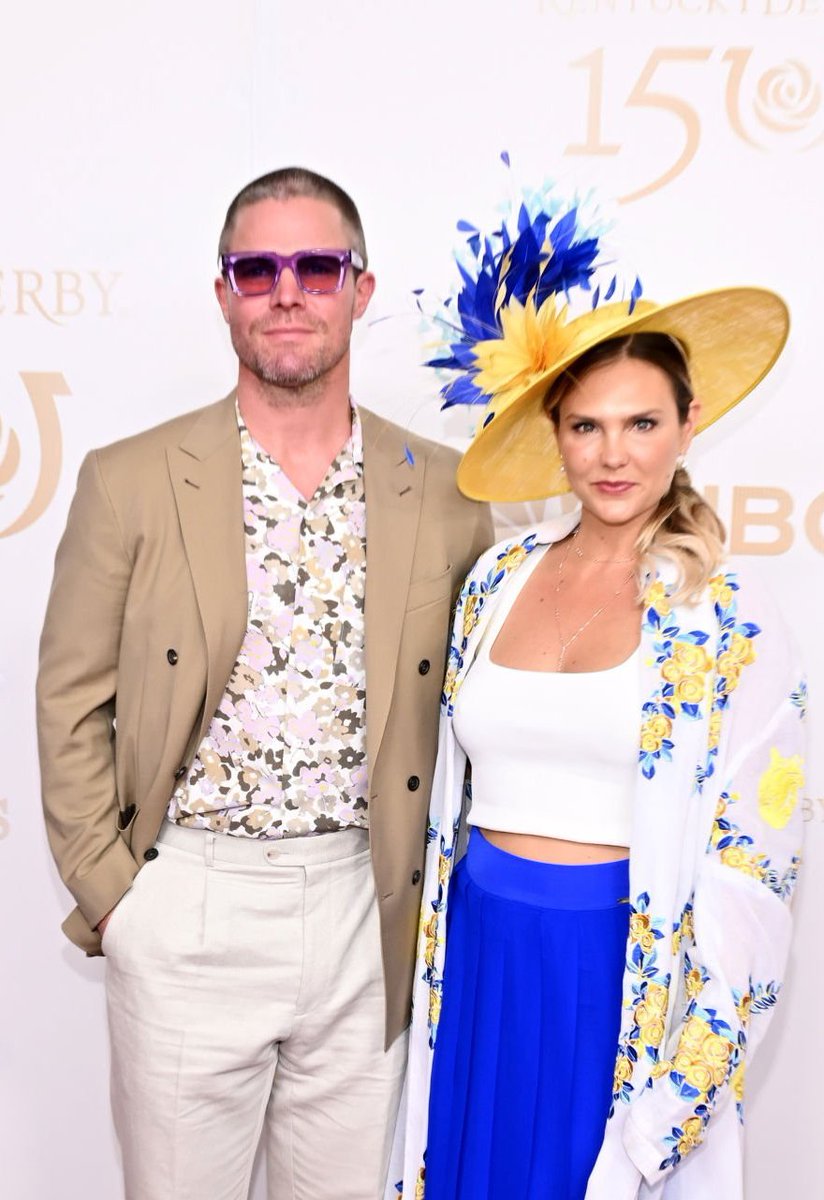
(579, 552)
(565, 645)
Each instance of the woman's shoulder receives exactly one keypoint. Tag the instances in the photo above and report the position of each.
(511, 551)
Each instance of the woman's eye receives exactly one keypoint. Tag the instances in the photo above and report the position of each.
(645, 423)
(582, 427)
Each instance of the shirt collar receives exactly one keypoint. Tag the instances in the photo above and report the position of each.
(345, 466)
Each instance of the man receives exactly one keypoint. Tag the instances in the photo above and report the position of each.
(240, 675)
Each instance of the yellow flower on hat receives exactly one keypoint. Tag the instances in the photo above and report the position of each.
(778, 789)
(532, 340)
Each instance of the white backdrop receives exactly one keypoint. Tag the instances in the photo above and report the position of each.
(126, 132)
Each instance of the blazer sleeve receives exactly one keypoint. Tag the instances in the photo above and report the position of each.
(736, 950)
(76, 689)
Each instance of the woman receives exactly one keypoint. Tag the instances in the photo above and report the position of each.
(609, 896)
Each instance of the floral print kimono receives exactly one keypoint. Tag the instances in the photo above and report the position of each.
(713, 860)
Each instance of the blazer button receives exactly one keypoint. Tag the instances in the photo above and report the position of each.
(151, 853)
(416, 876)
(413, 783)
(423, 666)
(171, 657)
(180, 772)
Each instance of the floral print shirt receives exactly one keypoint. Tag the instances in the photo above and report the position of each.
(714, 855)
(285, 754)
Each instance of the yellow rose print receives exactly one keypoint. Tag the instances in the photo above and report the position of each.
(698, 1075)
(737, 1082)
(623, 1072)
(657, 998)
(720, 591)
(513, 558)
(741, 648)
(656, 597)
(778, 789)
(743, 1008)
(469, 615)
(638, 926)
(691, 1136)
(694, 983)
(693, 1036)
(690, 689)
(652, 1030)
(716, 1054)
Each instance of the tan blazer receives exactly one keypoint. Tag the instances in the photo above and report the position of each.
(145, 619)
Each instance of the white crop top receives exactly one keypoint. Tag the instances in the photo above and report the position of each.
(554, 754)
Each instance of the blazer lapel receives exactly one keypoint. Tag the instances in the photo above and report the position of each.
(394, 490)
(207, 478)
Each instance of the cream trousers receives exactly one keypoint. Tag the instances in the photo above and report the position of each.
(245, 998)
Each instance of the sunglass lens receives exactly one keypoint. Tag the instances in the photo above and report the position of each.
(319, 272)
(255, 275)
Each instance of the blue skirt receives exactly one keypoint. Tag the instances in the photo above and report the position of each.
(525, 1052)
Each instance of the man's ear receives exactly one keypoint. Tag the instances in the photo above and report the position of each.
(222, 293)
(364, 289)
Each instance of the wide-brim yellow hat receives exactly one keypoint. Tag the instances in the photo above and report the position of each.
(732, 337)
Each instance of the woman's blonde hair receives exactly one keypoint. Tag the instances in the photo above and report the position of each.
(683, 528)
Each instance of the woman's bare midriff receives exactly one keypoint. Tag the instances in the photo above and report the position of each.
(554, 850)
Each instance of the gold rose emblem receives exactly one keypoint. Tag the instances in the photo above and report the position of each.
(783, 104)
(42, 389)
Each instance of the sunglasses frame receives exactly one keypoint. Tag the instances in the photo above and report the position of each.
(346, 258)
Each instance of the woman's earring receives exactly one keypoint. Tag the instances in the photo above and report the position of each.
(562, 468)
(681, 462)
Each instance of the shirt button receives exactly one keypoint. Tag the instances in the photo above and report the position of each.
(423, 666)
(416, 876)
(151, 853)
(171, 657)
(413, 783)
(180, 772)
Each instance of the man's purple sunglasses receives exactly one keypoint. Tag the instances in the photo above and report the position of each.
(256, 272)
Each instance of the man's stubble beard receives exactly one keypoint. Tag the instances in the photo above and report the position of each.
(298, 382)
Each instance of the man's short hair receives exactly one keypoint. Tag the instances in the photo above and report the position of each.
(287, 184)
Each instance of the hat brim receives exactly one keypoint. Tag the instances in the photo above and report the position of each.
(732, 337)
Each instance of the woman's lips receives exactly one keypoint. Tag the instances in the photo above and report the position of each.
(614, 487)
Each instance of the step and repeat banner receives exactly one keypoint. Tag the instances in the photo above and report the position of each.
(698, 124)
